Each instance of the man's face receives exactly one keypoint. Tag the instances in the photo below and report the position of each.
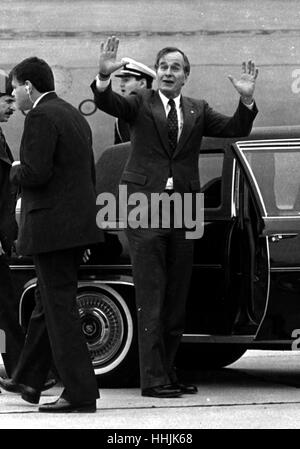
(21, 96)
(170, 74)
(6, 107)
(129, 83)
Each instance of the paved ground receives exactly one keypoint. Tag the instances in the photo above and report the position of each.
(260, 391)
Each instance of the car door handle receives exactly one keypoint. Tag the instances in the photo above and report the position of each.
(279, 237)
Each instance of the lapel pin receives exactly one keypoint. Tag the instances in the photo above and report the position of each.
(192, 111)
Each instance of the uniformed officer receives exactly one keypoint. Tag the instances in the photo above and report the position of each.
(134, 75)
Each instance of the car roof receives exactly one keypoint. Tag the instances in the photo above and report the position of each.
(257, 133)
(111, 163)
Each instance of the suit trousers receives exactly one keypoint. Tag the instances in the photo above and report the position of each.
(162, 265)
(9, 320)
(55, 330)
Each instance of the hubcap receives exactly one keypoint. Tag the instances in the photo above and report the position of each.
(102, 325)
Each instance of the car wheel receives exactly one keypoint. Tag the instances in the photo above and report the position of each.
(109, 325)
(208, 356)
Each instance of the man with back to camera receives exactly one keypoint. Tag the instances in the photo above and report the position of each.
(166, 129)
(134, 75)
(56, 175)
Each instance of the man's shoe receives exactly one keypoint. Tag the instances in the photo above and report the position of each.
(162, 391)
(61, 405)
(29, 394)
(13, 386)
(49, 384)
(186, 388)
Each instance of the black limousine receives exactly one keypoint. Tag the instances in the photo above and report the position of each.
(245, 289)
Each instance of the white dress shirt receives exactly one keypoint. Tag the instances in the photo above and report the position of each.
(40, 97)
(167, 107)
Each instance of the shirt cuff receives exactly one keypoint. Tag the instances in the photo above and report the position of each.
(101, 84)
(169, 184)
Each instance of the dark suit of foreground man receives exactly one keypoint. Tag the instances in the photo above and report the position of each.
(165, 140)
(58, 220)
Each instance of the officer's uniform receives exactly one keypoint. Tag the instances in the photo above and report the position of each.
(137, 70)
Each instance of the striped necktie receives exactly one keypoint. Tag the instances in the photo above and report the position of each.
(172, 125)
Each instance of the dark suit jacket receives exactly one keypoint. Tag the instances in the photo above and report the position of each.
(8, 225)
(57, 179)
(151, 162)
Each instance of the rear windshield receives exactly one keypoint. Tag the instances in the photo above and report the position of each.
(277, 173)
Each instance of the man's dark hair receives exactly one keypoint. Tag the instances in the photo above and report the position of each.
(35, 70)
(8, 87)
(165, 51)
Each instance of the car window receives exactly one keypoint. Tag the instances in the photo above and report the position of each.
(210, 174)
(277, 175)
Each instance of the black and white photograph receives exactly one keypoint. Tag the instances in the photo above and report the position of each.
(150, 217)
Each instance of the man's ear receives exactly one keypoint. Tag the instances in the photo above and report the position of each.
(185, 79)
(143, 83)
(28, 86)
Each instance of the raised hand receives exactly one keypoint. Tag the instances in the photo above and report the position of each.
(108, 55)
(246, 84)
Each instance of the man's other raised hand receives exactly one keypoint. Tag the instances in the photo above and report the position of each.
(108, 57)
(246, 84)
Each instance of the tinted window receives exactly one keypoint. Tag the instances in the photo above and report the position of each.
(278, 177)
(210, 173)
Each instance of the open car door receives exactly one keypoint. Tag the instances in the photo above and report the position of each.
(272, 169)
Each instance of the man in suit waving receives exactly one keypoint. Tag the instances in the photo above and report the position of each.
(58, 220)
(166, 129)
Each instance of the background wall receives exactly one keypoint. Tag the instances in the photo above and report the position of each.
(217, 35)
